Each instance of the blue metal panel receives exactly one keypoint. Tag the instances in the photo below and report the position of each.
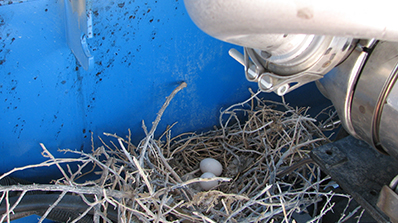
(142, 50)
(32, 219)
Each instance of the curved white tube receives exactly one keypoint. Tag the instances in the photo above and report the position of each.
(249, 22)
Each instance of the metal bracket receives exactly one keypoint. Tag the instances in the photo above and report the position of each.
(282, 77)
(388, 203)
(79, 28)
(359, 169)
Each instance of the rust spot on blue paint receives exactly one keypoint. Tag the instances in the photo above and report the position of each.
(121, 5)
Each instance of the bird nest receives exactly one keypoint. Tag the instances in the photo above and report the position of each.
(267, 174)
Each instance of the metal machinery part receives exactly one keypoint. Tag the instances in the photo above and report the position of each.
(290, 43)
(361, 171)
(246, 23)
(388, 200)
(283, 70)
(344, 77)
(280, 60)
(79, 28)
(363, 91)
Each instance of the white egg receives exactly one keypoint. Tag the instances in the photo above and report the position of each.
(211, 165)
(208, 184)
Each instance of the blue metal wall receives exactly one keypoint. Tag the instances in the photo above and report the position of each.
(142, 50)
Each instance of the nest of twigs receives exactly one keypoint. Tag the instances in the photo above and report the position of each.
(267, 173)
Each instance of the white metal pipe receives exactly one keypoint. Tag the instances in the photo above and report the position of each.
(249, 22)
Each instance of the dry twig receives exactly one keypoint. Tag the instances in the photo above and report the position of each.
(262, 145)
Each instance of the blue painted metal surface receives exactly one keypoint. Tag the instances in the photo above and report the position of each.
(143, 49)
(31, 219)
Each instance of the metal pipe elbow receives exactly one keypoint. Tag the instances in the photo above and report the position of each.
(248, 23)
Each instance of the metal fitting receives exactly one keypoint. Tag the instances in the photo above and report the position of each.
(307, 61)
